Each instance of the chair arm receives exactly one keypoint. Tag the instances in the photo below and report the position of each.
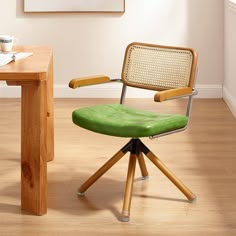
(172, 93)
(89, 80)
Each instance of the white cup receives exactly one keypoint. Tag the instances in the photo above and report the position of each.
(7, 42)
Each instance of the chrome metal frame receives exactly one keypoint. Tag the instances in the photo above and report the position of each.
(188, 111)
(123, 93)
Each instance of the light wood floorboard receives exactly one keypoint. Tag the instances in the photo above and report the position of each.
(203, 157)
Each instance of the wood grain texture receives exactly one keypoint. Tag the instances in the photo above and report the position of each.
(34, 149)
(35, 76)
(33, 68)
(142, 166)
(50, 113)
(170, 93)
(203, 157)
(129, 188)
(89, 80)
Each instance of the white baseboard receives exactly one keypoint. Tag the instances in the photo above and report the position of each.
(209, 91)
(9, 91)
(230, 100)
(112, 90)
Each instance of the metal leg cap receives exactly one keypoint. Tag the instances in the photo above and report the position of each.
(194, 200)
(125, 219)
(80, 194)
(145, 177)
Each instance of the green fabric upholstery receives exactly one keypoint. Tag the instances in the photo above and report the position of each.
(122, 121)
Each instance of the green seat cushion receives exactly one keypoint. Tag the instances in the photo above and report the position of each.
(123, 121)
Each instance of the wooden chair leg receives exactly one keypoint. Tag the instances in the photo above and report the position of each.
(156, 161)
(129, 188)
(100, 172)
(142, 166)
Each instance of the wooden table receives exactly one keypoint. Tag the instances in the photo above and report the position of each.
(35, 76)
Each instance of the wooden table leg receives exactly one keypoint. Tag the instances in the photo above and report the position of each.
(34, 148)
(50, 114)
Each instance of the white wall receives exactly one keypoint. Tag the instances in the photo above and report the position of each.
(94, 43)
(229, 89)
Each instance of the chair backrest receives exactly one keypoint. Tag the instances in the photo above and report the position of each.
(157, 67)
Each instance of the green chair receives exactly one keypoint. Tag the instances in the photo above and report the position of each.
(166, 69)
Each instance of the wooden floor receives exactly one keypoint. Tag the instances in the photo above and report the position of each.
(203, 157)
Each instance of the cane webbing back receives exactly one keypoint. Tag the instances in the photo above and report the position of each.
(158, 67)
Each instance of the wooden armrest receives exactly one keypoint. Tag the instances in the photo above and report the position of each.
(171, 93)
(89, 80)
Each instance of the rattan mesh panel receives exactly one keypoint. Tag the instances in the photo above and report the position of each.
(157, 68)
